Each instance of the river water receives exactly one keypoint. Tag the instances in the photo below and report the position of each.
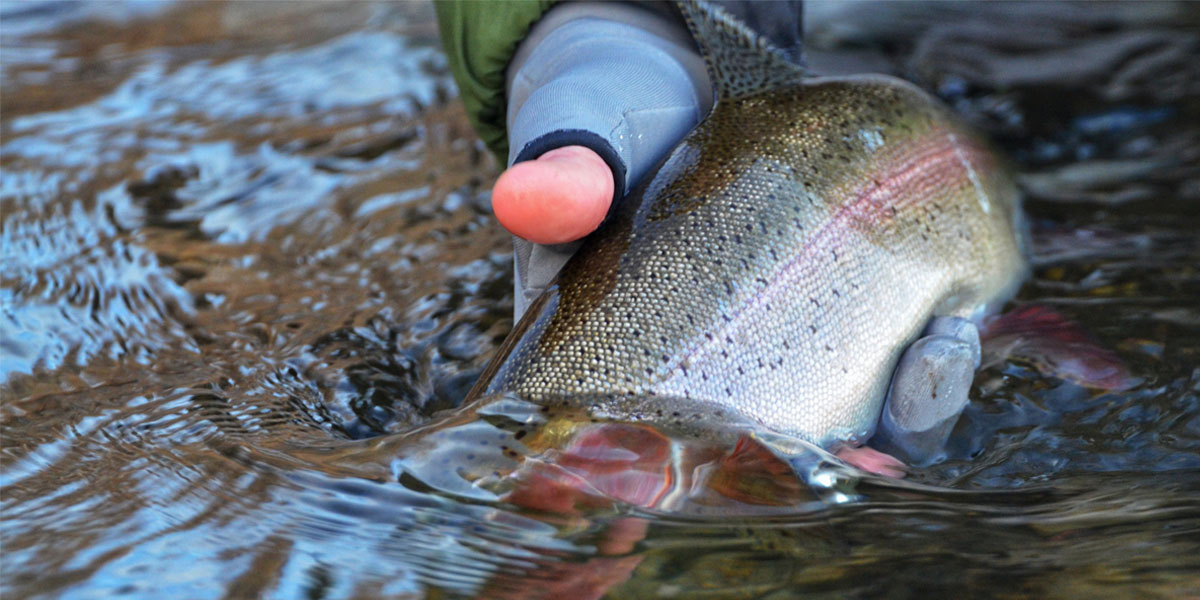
(243, 241)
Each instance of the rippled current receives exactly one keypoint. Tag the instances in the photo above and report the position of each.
(246, 244)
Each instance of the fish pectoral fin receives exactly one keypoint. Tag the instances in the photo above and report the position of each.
(1056, 346)
(873, 461)
(929, 391)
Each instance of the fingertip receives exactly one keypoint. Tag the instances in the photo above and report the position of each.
(560, 197)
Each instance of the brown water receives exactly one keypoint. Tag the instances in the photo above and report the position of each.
(243, 242)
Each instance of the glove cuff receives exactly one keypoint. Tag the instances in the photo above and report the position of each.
(579, 137)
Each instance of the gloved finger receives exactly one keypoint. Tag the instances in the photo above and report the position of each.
(618, 78)
(929, 392)
(534, 268)
(958, 328)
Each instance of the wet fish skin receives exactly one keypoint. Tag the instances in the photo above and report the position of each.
(777, 264)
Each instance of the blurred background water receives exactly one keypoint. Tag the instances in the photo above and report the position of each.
(243, 240)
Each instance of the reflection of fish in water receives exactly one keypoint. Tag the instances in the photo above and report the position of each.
(768, 276)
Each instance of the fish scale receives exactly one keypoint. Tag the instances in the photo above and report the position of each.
(778, 262)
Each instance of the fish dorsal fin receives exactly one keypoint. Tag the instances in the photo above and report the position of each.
(740, 62)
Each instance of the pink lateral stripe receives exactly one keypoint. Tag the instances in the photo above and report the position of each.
(929, 157)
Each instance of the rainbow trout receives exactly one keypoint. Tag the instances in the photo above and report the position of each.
(778, 262)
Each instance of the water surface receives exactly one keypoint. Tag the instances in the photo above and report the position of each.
(245, 242)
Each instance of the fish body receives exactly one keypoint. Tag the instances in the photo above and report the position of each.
(777, 263)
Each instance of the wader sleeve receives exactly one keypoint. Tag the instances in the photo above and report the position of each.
(479, 39)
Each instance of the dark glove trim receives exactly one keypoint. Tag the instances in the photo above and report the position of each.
(579, 137)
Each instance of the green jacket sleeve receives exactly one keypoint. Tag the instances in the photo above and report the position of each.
(480, 38)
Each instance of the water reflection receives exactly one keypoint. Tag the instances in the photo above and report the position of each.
(247, 249)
